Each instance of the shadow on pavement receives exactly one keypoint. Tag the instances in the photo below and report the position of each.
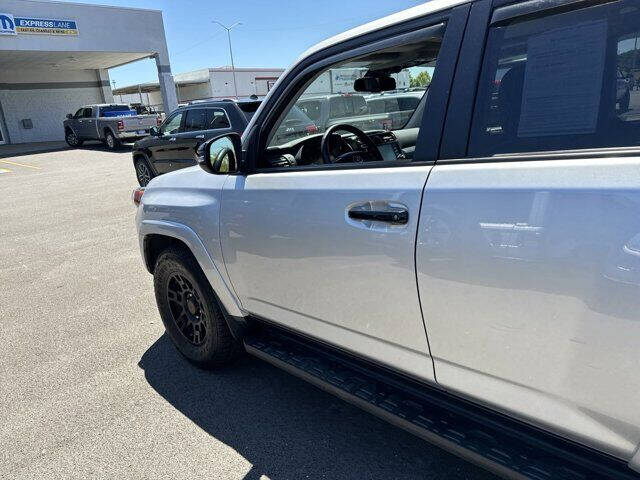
(288, 429)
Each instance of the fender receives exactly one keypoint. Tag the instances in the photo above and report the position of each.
(185, 234)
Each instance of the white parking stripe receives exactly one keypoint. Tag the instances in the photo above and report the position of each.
(4, 170)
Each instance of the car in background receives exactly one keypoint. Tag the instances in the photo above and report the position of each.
(399, 105)
(112, 124)
(296, 125)
(172, 145)
(333, 109)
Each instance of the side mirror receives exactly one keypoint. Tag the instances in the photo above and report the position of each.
(221, 155)
(153, 131)
(69, 116)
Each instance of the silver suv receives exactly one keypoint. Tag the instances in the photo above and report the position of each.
(470, 274)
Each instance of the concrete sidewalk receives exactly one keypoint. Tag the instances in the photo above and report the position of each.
(15, 150)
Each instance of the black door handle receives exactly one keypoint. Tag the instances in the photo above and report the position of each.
(398, 216)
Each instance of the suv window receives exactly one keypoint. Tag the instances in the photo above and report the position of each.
(217, 118)
(564, 81)
(79, 113)
(331, 98)
(195, 120)
(86, 112)
(172, 124)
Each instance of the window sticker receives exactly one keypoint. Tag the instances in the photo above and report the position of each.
(563, 80)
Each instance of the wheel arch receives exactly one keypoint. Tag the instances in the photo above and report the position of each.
(158, 235)
(139, 154)
(109, 129)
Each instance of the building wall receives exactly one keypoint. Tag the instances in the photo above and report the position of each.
(101, 29)
(249, 82)
(111, 35)
(24, 98)
(186, 93)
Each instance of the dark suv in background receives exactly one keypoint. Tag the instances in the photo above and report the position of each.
(173, 144)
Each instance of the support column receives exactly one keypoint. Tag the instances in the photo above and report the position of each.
(105, 85)
(167, 87)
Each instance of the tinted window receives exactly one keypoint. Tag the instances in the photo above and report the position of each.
(217, 118)
(249, 108)
(86, 113)
(79, 113)
(195, 120)
(347, 106)
(565, 81)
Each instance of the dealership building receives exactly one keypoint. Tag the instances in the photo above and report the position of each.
(54, 58)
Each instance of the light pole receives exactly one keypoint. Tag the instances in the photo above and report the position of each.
(233, 68)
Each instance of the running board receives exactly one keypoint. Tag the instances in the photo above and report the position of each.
(502, 445)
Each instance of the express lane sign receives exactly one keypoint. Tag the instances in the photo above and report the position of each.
(10, 25)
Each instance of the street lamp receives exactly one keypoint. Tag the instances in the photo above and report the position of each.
(233, 68)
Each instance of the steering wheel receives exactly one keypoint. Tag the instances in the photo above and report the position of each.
(372, 149)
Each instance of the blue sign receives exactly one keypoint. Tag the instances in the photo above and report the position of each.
(45, 26)
(7, 24)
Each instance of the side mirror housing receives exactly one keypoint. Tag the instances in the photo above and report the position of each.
(69, 116)
(154, 131)
(221, 155)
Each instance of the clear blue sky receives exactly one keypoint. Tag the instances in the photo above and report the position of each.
(273, 33)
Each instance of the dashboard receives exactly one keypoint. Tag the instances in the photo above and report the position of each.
(307, 151)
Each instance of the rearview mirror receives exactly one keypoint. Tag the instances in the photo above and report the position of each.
(374, 84)
(69, 116)
(221, 155)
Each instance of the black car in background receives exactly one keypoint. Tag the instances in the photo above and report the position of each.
(173, 144)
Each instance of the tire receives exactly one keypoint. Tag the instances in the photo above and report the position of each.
(110, 141)
(144, 174)
(190, 311)
(72, 140)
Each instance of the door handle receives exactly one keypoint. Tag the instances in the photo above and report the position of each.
(396, 216)
(172, 139)
(199, 136)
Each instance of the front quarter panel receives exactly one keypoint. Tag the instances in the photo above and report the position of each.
(186, 205)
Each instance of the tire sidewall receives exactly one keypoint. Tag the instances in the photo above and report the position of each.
(70, 143)
(141, 161)
(114, 142)
(170, 264)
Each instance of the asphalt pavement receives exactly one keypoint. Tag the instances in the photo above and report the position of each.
(90, 387)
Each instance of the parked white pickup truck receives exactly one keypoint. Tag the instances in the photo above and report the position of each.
(110, 123)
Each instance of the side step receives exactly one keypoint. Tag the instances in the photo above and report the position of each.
(505, 446)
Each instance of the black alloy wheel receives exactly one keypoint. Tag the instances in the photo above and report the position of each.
(187, 310)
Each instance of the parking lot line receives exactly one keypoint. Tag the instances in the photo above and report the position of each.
(20, 164)
(4, 170)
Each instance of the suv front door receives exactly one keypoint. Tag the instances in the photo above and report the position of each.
(85, 127)
(294, 254)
